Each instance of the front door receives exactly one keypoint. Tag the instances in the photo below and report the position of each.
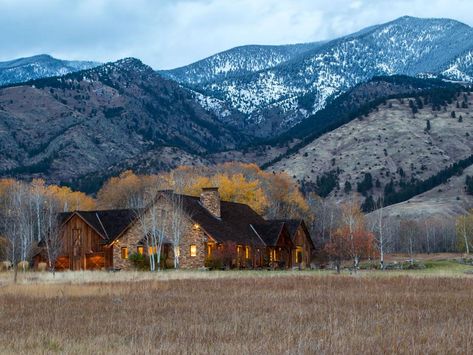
(76, 250)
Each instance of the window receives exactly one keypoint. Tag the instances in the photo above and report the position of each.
(140, 250)
(151, 250)
(209, 249)
(298, 254)
(247, 252)
(193, 250)
(124, 253)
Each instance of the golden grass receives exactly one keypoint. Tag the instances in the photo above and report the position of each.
(230, 313)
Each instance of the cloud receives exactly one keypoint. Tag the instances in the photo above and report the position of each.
(171, 33)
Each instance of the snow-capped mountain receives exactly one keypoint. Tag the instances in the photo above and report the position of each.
(287, 93)
(237, 61)
(39, 66)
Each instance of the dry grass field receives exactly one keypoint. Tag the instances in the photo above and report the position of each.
(239, 312)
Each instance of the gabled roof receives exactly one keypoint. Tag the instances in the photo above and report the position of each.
(109, 224)
(292, 225)
(233, 224)
(269, 231)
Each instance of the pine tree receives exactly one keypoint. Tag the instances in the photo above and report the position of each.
(347, 188)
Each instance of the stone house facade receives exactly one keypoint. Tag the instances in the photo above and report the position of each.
(211, 232)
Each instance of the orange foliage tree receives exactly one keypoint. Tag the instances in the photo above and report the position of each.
(127, 190)
(275, 195)
(352, 240)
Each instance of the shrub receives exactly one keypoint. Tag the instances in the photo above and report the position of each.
(42, 266)
(23, 266)
(5, 266)
(138, 261)
(214, 262)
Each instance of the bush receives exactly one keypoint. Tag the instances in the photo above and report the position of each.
(405, 265)
(214, 262)
(138, 261)
(42, 267)
(5, 266)
(23, 266)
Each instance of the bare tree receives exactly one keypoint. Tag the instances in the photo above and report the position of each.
(38, 200)
(178, 225)
(409, 233)
(18, 226)
(464, 228)
(379, 224)
(52, 235)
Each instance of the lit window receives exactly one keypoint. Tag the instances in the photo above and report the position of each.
(247, 252)
(209, 250)
(151, 250)
(124, 253)
(298, 254)
(140, 250)
(193, 250)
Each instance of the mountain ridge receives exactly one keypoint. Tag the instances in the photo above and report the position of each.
(405, 46)
(37, 67)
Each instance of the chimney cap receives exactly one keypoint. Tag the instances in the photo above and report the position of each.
(210, 188)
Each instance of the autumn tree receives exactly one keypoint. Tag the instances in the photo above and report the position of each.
(127, 190)
(351, 241)
(274, 195)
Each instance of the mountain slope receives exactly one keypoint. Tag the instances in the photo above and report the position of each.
(39, 66)
(236, 61)
(446, 200)
(284, 95)
(393, 142)
(66, 127)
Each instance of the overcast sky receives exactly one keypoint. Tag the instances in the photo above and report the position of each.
(171, 33)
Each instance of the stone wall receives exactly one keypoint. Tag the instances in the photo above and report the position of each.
(193, 235)
(210, 199)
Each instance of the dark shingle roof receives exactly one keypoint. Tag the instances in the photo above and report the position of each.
(238, 223)
(108, 223)
(269, 231)
(234, 224)
(291, 224)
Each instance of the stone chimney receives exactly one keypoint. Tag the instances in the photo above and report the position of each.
(210, 199)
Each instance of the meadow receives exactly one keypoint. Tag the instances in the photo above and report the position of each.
(252, 312)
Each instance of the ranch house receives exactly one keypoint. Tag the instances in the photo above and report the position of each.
(212, 230)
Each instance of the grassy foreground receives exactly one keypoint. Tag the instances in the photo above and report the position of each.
(238, 312)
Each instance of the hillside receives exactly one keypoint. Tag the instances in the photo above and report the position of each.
(278, 97)
(39, 66)
(391, 143)
(446, 200)
(67, 127)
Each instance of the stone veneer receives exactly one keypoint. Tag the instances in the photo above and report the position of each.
(193, 234)
(210, 199)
